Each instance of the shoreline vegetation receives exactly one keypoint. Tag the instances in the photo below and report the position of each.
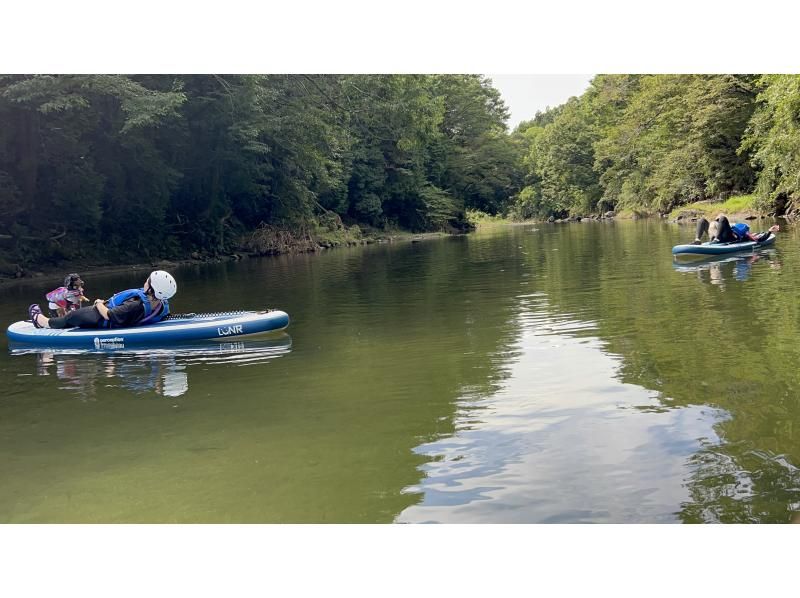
(109, 171)
(262, 243)
(105, 169)
(270, 241)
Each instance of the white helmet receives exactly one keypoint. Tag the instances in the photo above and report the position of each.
(162, 283)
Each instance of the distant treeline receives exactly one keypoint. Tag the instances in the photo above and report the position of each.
(653, 142)
(155, 166)
(139, 167)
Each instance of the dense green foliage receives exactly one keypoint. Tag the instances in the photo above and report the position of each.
(773, 139)
(141, 167)
(651, 142)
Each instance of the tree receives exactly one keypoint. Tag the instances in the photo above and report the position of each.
(773, 139)
(565, 161)
(196, 161)
(674, 139)
(478, 157)
(54, 143)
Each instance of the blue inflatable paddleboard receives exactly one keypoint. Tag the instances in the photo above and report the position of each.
(721, 248)
(174, 329)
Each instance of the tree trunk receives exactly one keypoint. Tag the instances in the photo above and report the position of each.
(29, 147)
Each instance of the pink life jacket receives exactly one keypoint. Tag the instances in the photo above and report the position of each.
(65, 298)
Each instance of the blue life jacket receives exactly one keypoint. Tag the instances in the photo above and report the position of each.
(150, 316)
(740, 229)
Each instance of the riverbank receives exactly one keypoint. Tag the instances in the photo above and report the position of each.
(684, 217)
(262, 242)
(270, 240)
(738, 208)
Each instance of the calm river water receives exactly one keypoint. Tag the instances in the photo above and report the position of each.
(522, 374)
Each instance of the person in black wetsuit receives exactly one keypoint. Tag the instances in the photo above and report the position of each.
(133, 307)
(721, 231)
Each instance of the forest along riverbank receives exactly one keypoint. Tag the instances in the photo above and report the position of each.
(268, 241)
(109, 169)
(133, 169)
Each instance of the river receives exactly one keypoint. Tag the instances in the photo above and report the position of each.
(520, 374)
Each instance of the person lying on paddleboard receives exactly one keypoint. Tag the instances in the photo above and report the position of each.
(720, 231)
(134, 307)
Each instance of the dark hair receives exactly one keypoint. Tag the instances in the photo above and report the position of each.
(150, 292)
(73, 281)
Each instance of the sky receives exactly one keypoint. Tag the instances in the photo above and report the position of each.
(526, 94)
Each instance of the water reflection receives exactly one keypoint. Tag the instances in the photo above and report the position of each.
(718, 270)
(564, 374)
(564, 440)
(163, 371)
(728, 483)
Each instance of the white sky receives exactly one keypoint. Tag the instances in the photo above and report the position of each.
(526, 94)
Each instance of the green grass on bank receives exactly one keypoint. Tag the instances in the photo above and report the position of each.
(628, 213)
(478, 218)
(336, 236)
(733, 205)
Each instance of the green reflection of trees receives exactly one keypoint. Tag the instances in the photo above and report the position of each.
(382, 352)
(381, 359)
(733, 483)
(731, 346)
(387, 343)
